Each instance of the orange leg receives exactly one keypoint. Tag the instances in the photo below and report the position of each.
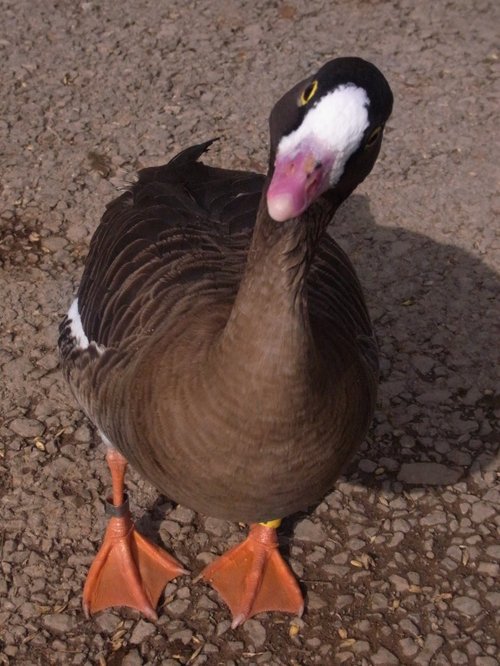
(252, 577)
(128, 570)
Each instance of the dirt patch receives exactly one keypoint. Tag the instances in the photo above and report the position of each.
(394, 573)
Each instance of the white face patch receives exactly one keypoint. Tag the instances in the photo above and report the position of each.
(335, 125)
(76, 326)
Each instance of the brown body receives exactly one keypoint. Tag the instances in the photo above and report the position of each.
(236, 367)
(221, 343)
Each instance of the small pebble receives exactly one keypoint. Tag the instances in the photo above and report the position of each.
(384, 657)
(466, 606)
(306, 530)
(141, 631)
(27, 428)
(482, 511)
(429, 474)
(59, 623)
(255, 632)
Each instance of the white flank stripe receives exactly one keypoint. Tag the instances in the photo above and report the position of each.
(105, 440)
(76, 326)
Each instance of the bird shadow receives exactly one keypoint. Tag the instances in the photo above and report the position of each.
(433, 309)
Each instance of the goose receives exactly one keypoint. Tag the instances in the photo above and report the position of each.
(220, 342)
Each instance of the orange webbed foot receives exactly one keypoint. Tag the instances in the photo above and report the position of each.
(253, 578)
(128, 570)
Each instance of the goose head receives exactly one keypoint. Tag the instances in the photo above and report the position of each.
(325, 135)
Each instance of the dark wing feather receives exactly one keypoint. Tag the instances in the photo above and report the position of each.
(165, 253)
(187, 226)
(180, 224)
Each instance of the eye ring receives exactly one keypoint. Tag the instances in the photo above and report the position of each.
(373, 136)
(308, 93)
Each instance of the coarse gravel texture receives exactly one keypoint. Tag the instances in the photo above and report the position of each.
(400, 562)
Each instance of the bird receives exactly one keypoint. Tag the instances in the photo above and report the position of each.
(220, 342)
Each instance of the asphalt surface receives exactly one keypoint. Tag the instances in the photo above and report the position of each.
(400, 562)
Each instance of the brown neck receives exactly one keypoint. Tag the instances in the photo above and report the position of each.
(268, 331)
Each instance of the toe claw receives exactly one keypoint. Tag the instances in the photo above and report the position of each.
(237, 620)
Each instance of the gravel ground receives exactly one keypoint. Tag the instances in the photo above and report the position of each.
(399, 562)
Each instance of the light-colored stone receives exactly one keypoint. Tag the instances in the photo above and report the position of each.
(466, 606)
(489, 569)
(494, 551)
(432, 644)
(384, 658)
(379, 601)
(141, 631)
(428, 474)
(255, 632)
(314, 601)
(408, 647)
(401, 525)
(493, 598)
(107, 621)
(132, 658)
(183, 635)
(182, 515)
(306, 530)
(482, 511)
(216, 526)
(58, 623)
(27, 428)
(400, 583)
(434, 518)
(361, 647)
(409, 627)
(178, 607)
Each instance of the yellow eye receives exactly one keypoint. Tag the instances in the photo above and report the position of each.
(308, 93)
(373, 137)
